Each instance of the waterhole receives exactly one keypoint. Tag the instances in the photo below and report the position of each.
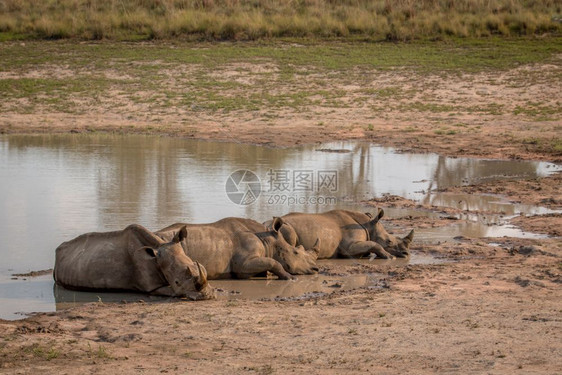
(55, 187)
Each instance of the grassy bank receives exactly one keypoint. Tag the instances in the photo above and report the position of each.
(62, 76)
(259, 19)
(455, 88)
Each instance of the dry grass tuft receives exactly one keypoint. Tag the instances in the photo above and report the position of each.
(262, 19)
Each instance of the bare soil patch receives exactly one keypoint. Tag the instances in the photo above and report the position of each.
(550, 224)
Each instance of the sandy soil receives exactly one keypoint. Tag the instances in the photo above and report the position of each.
(489, 309)
(492, 306)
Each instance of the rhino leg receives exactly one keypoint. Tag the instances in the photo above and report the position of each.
(254, 266)
(362, 248)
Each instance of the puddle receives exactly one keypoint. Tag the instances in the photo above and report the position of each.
(486, 203)
(40, 294)
(55, 187)
(472, 230)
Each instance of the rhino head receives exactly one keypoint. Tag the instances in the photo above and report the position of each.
(399, 247)
(185, 277)
(294, 259)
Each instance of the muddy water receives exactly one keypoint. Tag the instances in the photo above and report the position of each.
(39, 294)
(55, 187)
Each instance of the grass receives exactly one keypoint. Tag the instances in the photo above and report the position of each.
(267, 19)
(100, 353)
(184, 77)
(550, 146)
(539, 111)
(45, 353)
(451, 55)
(445, 131)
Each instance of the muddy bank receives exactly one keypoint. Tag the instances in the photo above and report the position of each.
(549, 224)
(508, 113)
(426, 138)
(496, 309)
(539, 192)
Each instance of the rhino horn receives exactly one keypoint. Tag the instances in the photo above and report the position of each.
(316, 248)
(409, 237)
(202, 278)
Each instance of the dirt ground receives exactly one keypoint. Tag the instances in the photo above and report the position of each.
(507, 114)
(494, 305)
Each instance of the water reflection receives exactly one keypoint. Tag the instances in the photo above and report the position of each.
(55, 187)
(41, 294)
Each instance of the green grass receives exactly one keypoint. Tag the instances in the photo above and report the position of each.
(451, 55)
(539, 111)
(445, 131)
(101, 352)
(46, 353)
(550, 146)
(70, 77)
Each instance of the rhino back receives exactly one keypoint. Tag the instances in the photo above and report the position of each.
(94, 260)
(110, 261)
(213, 247)
(310, 227)
(222, 246)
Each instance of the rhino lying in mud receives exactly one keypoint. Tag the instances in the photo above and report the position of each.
(130, 259)
(344, 233)
(242, 248)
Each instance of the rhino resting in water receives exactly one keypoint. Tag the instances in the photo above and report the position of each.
(344, 234)
(131, 259)
(242, 248)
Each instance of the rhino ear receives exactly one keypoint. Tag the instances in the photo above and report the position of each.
(375, 219)
(408, 239)
(181, 235)
(277, 224)
(150, 251)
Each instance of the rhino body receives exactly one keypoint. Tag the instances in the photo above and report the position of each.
(242, 248)
(344, 234)
(131, 259)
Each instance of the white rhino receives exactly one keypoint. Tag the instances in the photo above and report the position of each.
(130, 259)
(242, 248)
(343, 234)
